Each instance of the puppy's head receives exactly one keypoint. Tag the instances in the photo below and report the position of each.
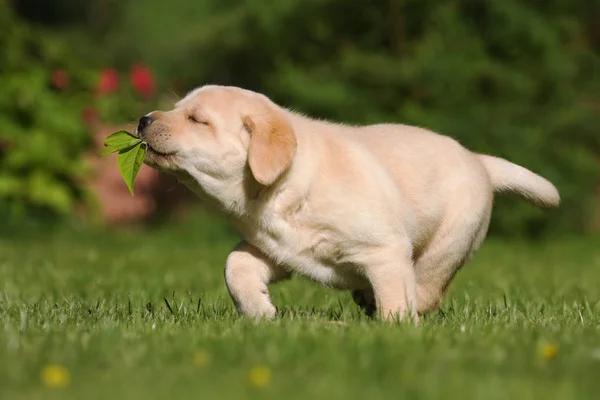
(218, 133)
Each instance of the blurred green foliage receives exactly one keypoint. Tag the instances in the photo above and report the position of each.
(42, 138)
(50, 103)
(516, 79)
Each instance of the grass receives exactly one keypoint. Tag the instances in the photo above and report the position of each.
(145, 315)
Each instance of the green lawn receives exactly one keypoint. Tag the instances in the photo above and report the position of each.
(95, 304)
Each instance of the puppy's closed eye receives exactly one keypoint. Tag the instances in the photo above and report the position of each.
(197, 120)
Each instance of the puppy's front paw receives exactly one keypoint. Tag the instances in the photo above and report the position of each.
(257, 310)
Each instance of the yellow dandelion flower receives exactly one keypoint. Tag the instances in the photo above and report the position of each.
(260, 376)
(548, 351)
(201, 358)
(56, 376)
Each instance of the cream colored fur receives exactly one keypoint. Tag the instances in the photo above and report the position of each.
(388, 211)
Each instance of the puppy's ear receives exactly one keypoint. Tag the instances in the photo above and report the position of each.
(272, 145)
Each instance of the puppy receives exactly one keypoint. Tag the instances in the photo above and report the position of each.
(388, 211)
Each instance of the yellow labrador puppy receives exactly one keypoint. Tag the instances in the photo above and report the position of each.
(388, 211)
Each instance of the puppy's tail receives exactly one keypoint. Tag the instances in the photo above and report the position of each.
(512, 178)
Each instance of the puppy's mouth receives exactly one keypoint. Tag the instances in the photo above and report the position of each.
(152, 150)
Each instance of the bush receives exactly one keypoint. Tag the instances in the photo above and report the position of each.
(41, 132)
(48, 103)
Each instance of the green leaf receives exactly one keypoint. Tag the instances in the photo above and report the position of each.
(119, 141)
(129, 161)
(120, 146)
(118, 137)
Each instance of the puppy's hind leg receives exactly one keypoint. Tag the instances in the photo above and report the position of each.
(440, 262)
(391, 275)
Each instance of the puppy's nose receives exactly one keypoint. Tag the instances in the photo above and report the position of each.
(145, 122)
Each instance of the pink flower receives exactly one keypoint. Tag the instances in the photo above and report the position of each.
(142, 80)
(60, 78)
(109, 81)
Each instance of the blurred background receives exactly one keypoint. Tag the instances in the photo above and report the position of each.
(517, 79)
